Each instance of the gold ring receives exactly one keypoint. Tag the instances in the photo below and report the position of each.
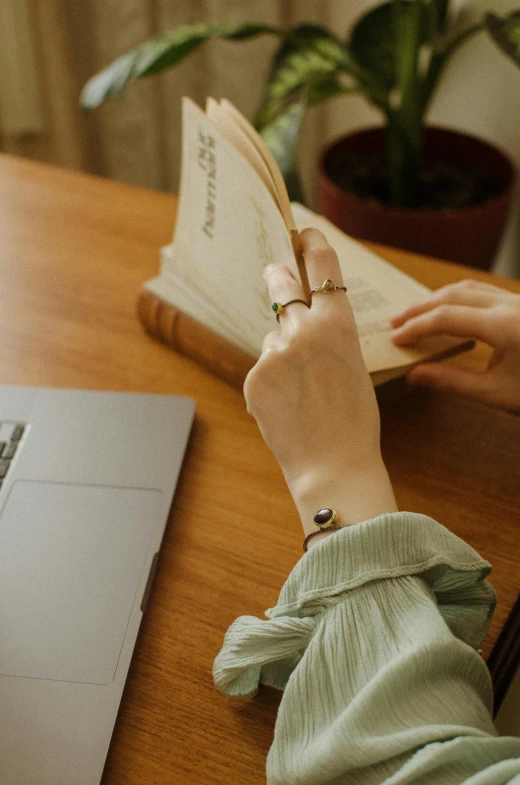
(327, 286)
(278, 307)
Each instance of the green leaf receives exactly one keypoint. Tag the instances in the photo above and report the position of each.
(505, 31)
(281, 136)
(442, 7)
(161, 52)
(375, 41)
(328, 86)
(109, 83)
(437, 17)
(309, 54)
(372, 43)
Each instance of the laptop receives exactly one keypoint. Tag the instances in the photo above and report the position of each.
(87, 481)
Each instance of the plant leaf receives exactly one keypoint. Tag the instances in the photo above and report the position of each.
(505, 31)
(309, 54)
(437, 12)
(374, 41)
(161, 52)
(326, 86)
(281, 137)
(109, 83)
(281, 133)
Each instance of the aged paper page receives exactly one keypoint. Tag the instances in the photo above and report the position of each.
(234, 133)
(228, 228)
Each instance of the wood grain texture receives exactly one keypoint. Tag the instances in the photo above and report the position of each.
(75, 251)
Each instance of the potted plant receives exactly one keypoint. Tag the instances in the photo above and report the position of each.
(404, 176)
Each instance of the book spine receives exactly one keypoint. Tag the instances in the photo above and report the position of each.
(187, 336)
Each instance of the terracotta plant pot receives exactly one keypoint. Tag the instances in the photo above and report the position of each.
(469, 235)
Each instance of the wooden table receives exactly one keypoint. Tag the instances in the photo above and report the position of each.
(74, 251)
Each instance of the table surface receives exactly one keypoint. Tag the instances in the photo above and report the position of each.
(75, 251)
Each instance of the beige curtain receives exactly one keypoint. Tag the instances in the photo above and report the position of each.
(136, 139)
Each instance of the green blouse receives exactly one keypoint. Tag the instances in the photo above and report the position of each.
(374, 641)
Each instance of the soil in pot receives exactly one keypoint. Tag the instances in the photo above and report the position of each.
(466, 187)
(442, 186)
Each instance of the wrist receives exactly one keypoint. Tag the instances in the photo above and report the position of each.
(358, 493)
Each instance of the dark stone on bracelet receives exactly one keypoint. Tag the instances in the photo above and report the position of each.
(325, 517)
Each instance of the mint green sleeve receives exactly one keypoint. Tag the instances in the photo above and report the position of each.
(374, 641)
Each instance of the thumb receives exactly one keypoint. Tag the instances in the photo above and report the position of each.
(441, 376)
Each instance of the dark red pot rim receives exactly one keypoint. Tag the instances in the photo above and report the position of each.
(432, 133)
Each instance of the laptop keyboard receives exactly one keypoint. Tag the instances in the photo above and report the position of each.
(10, 435)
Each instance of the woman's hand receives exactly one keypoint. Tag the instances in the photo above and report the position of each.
(469, 309)
(313, 399)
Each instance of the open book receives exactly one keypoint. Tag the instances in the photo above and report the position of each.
(234, 217)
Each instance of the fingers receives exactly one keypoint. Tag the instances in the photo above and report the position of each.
(283, 287)
(459, 320)
(450, 378)
(322, 262)
(471, 293)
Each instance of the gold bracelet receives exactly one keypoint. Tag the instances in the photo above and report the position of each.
(321, 531)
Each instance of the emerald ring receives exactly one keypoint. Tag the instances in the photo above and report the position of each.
(279, 307)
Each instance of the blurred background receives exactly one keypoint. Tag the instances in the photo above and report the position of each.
(49, 48)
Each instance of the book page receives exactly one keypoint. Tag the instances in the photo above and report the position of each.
(175, 290)
(234, 133)
(377, 291)
(170, 290)
(228, 228)
(282, 197)
(268, 158)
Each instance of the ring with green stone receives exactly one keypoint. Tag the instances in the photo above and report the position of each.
(278, 307)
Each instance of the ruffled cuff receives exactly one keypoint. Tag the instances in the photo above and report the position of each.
(389, 546)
